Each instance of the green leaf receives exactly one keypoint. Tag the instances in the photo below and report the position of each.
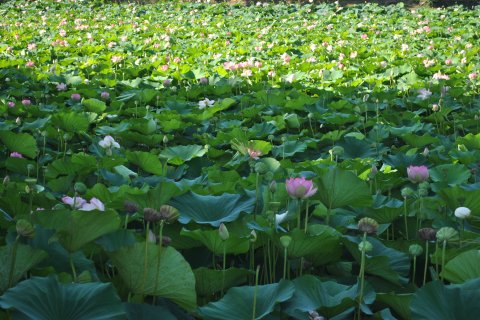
(94, 105)
(23, 143)
(400, 303)
(145, 161)
(338, 188)
(211, 239)
(450, 174)
(77, 228)
(25, 259)
(440, 302)
(116, 240)
(149, 269)
(47, 299)
(210, 281)
(179, 154)
(147, 312)
(212, 210)
(238, 302)
(71, 122)
(289, 148)
(463, 267)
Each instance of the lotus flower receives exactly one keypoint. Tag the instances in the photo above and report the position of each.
(300, 188)
(16, 155)
(108, 142)
(417, 174)
(94, 204)
(77, 201)
(462, 212)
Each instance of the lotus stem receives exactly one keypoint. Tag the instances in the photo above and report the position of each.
(145, 260)
(306, 216)
(285, 252)
(256, 196)
(160, 237)
(414, 269)
(405, 217)
(252, 257)
(72, 266)
(444, 247)
(362, 277)
(13, 262)
(255, 293)
(426, 263)
(224, 266)
(436, 258)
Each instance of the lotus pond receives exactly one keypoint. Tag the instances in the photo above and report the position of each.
(210, 161)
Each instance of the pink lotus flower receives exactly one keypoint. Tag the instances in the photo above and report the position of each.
(300, 188)
(30, 64)
(77, 201)
(16, 155)
(417, 174)
(26, 102)
(11, 104)
(94, 204)
(472, 76)
(254, 154)
(76, 97)
(203, 80)
(105, 95)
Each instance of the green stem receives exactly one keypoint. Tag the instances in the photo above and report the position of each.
(426, 263)
(256, 196)
(160, 237)
(306, 216)
(362, 276)
(444, 247)
(414, 269)
(12, 262)
(72, 266)
(285, 263)
(436, 258)
(224, 266)
(255, 293)
(405, 216)
(252, 258)
(145, 260)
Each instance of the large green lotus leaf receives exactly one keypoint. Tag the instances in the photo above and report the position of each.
(399, 303)
(210, 281)
(463, 267)
(328, 298)
(146, 161)
(23, 143)
(470, 141)
(71, 122)
(355, 148)
(382, 261)
(147, 312)
(384, 209)
(450, 174)
(212, 210)
(441, 302)
(417, 141)
(36, 125)
(158, 196)
(25, 259)
(117, 239)
(172, 279)
(338, 188)
(180, 154)
(237, 304)
(211, 239)
(94, 105)
(77, 228)
(320, 245)
(47, 299)
(289, 148)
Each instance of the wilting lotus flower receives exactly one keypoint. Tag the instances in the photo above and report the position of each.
(300, 188)
(462, 212)
(94, 204)
(424, 94)
(417, 174)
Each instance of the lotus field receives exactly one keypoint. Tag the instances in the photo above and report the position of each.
(216, 161)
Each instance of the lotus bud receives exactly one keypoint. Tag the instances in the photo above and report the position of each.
(462, 212)
(427, 234)
(426, 152)
(25, 229)
(223, 232)
(415, 250)
(407, 192)
(285, 241)
(6, 180)
(253, 236)
(80, 188)
(447, 234)
(261, 168)
(130, 207)
(169, 213)
(368, 225)
(273, 186)
(165, 139)
(365, 246)
(151, 215)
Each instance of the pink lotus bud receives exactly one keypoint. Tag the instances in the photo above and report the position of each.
(105, 95)
(417, 174)
(26, 102)
(76, 97)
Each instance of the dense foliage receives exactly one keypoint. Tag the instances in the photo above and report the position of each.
(182, 161)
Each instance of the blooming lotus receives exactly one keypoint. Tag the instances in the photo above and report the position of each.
(108, 143)
(417, 174)
(202, 104)
(424, 94)
(300, 188)
(78, 202)
(16, 155)
(462, 212)
(94, 204)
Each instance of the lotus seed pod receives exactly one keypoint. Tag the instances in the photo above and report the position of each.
(169, 213)
(338, 151)
(407, 192)
(80, 188)
(447, 234)
(130, 207)
(368, 225)
(25, 228)
(427, 234)
(365, 246)
(151, 215)
(223, 232)
(415, 250)
(285, 241)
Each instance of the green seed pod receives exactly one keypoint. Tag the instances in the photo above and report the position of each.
(407, 192)
(80, 188)
(365, 246)
(25, 229)
(447, 234)
(338, 151)
(415, 250)
(169, 213)
(368, 225)
(285, 241)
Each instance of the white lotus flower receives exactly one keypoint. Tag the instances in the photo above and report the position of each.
(202, 104)
(94, 204)
(462, 212)
(108, 143)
